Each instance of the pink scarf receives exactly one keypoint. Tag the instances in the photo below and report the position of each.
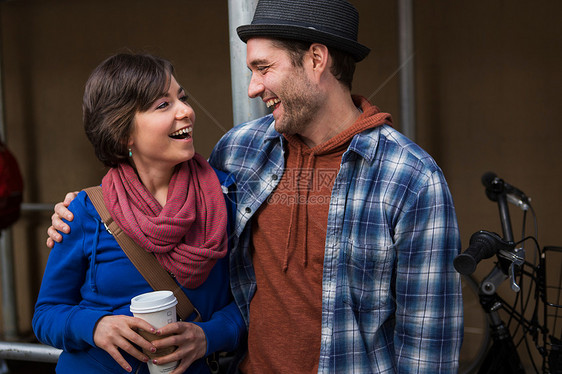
(187, 235)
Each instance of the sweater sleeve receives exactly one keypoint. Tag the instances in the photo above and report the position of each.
(60, 319)
(224, 330)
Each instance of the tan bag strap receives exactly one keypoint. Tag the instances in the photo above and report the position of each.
(145, 262)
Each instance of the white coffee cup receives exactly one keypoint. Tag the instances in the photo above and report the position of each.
(159, 309)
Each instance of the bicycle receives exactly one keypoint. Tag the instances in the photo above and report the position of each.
(521, 323)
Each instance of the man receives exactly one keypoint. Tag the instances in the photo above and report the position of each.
(346, 232)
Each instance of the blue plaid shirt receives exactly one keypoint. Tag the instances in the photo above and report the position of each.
(391, 297)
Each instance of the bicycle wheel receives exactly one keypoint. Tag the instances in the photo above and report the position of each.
(476, 331)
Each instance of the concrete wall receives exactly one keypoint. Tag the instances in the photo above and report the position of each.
(488, 85)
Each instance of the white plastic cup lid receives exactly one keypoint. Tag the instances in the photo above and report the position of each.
(151, 302)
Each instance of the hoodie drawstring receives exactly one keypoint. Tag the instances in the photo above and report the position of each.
(93, 265)
(295, 207)
(310, 167)
(294, 212)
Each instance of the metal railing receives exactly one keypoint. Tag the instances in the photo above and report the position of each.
(29, 352)
(9, 312)
(14, 350)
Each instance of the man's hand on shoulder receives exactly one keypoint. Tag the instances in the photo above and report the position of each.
(58, 225)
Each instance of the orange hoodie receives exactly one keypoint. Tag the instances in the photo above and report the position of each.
(289, 233)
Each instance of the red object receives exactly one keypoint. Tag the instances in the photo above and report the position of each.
(11, 188)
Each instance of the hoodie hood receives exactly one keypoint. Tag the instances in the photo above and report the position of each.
(307, 165)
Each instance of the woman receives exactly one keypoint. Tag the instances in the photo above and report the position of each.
(169, 200)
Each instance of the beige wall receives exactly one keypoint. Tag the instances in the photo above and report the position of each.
(488, 82)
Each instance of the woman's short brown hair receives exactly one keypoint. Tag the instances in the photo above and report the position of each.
(117, 89)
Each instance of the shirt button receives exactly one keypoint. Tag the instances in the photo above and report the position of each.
(274, 177)
(248, 210)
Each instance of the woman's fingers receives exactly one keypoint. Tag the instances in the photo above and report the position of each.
(189, 339)
(119, 332)
(114, 353)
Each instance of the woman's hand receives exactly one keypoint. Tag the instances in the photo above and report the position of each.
(190, 340)
(114, 332)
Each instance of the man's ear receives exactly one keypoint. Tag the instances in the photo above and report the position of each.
(320, 56)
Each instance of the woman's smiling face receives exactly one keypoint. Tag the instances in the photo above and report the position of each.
(162, 135)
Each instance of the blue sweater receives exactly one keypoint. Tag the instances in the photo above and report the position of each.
(88, 276)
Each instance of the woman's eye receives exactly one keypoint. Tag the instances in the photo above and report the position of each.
(162, 105)
(184, 99)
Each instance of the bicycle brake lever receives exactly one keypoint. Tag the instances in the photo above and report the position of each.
(514, 286)
(517, 258)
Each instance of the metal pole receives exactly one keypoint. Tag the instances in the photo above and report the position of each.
(29, 352)
(2, 119)
(406, 57)
(9, 308)
(37, 207)
(9, 313)
(240, 12)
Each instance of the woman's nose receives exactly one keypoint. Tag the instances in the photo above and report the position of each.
(185, 110)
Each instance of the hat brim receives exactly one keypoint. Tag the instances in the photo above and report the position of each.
(306, 34)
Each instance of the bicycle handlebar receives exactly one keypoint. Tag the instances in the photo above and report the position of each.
(485, 244)
(501, 192)
(482, 245)
(496, 186)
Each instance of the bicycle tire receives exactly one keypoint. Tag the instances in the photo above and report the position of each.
(476, 330)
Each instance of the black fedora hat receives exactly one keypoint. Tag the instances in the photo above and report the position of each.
(333, 23)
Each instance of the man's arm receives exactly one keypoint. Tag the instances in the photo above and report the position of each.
(61, 211)
(428, 292)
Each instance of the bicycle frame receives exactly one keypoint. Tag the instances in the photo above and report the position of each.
(502, 356)
(503, 345)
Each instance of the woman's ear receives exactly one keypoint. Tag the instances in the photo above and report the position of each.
(129, 141)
